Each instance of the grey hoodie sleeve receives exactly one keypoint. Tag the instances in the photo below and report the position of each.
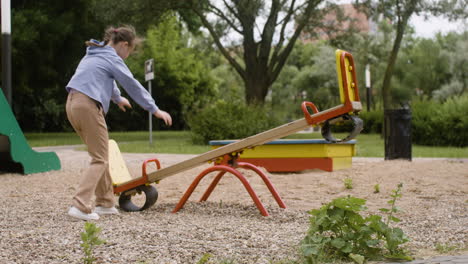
(132, 86)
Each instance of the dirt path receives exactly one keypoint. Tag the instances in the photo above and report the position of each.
(34, 226)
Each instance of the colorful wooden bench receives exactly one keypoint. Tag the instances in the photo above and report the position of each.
(294, 155)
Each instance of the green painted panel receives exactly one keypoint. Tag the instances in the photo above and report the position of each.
(15, 153)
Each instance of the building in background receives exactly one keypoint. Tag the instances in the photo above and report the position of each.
(345, 19)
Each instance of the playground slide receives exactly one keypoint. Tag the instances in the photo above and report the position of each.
(15, 153)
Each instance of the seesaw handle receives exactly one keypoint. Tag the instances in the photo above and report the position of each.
(307, 115)
(143, 167)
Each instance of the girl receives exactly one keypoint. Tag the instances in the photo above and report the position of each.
(89, 93)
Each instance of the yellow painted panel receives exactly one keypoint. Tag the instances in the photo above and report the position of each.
(338, 150)
(117, 167)
(342, 163)
(338, 74)
(349, 77)
(299, 151)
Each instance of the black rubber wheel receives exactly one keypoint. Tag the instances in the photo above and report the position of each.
(357, 128)
(126, 204)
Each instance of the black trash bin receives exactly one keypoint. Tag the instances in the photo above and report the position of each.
(397, 134)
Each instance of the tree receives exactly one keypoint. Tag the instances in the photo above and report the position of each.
(142, 14)
(319, 80)
(400, 12)
(263, 51)
(182, 82)
(47, 43)
(455, 48)
(182, 72)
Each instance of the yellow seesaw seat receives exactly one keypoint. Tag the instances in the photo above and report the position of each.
(118, 170)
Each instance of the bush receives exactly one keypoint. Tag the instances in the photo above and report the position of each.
(373, 121)
(423, 127)
(227, 120)
(438, 124)
(433, 123)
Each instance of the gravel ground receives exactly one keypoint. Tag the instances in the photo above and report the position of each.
(34, 226)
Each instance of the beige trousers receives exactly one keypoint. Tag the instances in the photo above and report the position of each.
(87, 118)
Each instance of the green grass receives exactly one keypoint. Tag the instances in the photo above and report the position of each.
(178, 142)
(368, 145)
(52, 139)
(372, 145)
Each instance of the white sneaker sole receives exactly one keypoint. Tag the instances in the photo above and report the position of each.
(83, 216)
(106, 211)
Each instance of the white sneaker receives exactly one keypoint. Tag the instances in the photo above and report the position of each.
(106, 210)
(75, 212)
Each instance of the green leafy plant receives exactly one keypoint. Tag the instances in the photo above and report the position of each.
(90, 240)
(445, 248)
(205, 258)
(393, 209)
(339, 232)
(394, 237)
(348, 183)
(377, 188)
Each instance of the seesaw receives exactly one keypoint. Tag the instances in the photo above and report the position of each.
(225, 158)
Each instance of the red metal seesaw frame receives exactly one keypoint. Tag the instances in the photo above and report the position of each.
(139, 181)
(229, 164)
(349, 103)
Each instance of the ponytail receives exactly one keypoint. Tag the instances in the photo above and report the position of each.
(116, 35)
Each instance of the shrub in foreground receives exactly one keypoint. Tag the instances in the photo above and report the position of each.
(339, 232)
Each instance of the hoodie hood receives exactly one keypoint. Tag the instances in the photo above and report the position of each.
(104, 50)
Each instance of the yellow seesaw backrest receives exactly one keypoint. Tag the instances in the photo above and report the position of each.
(346, 76)
(117, 167)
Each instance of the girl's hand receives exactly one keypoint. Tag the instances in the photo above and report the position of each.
(124, 103)
(166, 117)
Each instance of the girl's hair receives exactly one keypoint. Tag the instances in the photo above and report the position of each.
(116, 35)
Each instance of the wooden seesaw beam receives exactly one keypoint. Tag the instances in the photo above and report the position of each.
(249, 142)
(350, 103)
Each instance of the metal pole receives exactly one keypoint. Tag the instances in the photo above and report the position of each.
(368, 87)
(6, 50)
(150, 118)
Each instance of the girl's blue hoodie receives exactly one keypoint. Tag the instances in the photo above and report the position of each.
(96, 74)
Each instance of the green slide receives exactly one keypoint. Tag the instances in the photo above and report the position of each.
(15, 153)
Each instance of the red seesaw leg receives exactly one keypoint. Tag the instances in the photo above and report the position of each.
(212, 186)
(222, 168)
(265, 179)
